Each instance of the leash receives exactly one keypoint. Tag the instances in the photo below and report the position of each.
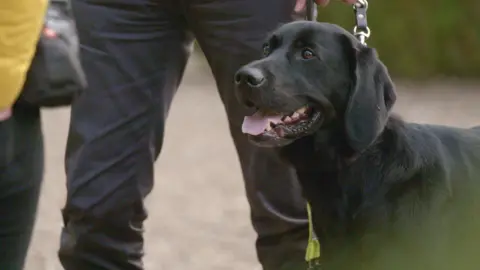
(362, 32)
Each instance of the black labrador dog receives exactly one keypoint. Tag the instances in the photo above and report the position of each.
(385, 194)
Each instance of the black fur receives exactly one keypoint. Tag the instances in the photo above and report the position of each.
(385, 194)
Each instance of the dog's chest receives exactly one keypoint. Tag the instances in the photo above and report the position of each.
(347, 212)
(341, 207)
(360, 222)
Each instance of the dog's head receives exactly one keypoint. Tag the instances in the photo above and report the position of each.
(315, 76)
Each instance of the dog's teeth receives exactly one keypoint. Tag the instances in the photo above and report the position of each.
(302, 110)
(269, 127)
(287, 119)
(295, 115)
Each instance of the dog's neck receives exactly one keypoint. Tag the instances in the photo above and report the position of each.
(327, 150)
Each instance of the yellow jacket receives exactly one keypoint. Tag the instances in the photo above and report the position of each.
(20, 24)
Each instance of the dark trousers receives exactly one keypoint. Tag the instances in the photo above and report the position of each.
(134, 53)
(21, 173)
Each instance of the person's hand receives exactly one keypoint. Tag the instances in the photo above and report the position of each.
(300, 5)
(5, 114)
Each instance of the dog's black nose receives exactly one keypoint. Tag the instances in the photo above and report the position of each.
(252, 77)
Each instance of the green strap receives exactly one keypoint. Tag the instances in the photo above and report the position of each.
(313, 248)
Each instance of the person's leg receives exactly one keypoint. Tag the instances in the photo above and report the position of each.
(134, 53)
(231, 34)
(21, 174)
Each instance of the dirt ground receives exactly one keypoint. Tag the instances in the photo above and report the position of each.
(199, 217)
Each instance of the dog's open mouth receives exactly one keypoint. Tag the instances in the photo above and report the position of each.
(267, 128)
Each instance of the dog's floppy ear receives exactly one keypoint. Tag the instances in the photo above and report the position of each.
(370, 100)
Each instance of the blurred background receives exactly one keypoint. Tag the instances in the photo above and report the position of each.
(421, 39)
(199, 217)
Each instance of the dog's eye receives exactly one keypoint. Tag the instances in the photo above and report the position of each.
(307, 54)
(266, 50)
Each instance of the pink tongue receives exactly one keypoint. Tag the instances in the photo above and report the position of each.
(256, 124)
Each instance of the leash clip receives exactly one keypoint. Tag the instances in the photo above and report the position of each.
(361, 29)
(311, 10)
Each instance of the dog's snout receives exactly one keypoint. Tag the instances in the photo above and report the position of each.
(253, 77)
